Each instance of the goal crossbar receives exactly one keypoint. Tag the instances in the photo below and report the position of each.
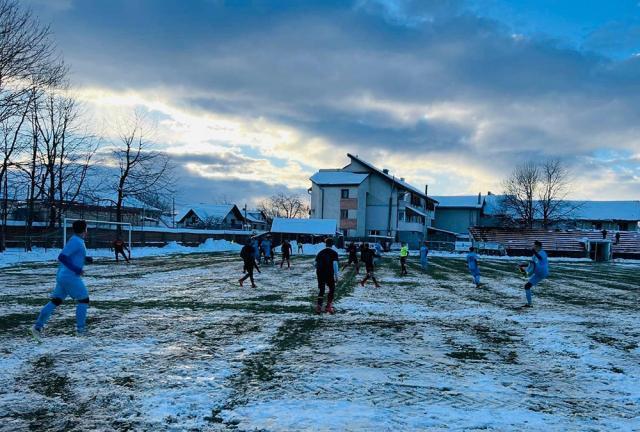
(88, 221)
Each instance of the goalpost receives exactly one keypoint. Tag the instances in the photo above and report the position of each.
(108, 225)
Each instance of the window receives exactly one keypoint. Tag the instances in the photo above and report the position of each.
(374, 232)
(344, 214)
(401, 215)
(344, 193)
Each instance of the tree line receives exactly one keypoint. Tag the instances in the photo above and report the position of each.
(47, 157)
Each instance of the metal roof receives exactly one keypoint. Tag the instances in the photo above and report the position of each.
(394, 179)
(304, 226)
(338, 178)
(462, 201)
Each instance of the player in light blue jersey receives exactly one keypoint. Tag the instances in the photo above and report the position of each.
(424, 256)
(472, 265)
(537, 270)
(69, 281)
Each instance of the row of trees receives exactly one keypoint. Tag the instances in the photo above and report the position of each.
(46, 154)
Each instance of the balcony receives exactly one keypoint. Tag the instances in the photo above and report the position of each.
(411, 226)
(348, 224)
(348, 203)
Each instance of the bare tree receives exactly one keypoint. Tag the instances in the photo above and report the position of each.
(554, 188)
(28, 62)
(537, 192)
(141, 170)
(27, 56)
(284, 206)
(10, 133)
(520, 191)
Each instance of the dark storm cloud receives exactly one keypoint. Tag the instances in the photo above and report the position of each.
(196, 189)
(302, 63)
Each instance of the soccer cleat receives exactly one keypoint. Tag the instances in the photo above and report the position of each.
(377, 285)
(81, 332)
(319, 309)
(37, 334)
(241, 282)
(254, 286)
(361, 283)
(329, 309)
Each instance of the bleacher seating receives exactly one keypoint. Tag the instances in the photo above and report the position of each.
(557, 243)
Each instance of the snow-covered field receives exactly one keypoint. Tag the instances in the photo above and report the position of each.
(176, 344)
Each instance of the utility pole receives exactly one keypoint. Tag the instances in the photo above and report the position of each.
(173, 212)
(245, 215)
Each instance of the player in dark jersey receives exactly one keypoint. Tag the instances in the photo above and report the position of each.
(327, 272)
(352, 249)
(286, 254)
(249, 258)
(368, 256)
(119, 247)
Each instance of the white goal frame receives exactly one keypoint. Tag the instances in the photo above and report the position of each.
(65, 220)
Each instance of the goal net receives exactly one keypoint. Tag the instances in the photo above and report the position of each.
(101, 234)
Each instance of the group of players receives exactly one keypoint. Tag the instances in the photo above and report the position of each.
(73, 257)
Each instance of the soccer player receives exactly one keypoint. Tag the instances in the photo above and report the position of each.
(404, 253)
(424, 256)
(538, 270)
(352, 249)
(367, 258)
(266, 250)
(255, 244)
(327, 272)
(378, 251)
(248, 256)
(119, 247)
(300, 248)
(69, 282)
(474, 268)
(286, 254)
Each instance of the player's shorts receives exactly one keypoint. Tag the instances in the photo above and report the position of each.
(70, 287)
(536, 278)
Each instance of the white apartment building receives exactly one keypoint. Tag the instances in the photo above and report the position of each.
(368, 201)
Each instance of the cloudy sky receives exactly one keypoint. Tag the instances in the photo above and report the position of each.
(251, 97)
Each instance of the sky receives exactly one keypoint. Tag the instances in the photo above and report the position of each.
(251, 97)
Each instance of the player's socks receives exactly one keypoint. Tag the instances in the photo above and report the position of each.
(37, 333)
(329, 309)
(241, 282)
(528, 294)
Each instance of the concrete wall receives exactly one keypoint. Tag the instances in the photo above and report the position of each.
(457, 220)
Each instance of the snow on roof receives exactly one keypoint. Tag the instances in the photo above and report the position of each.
(255, 216)
(204, 211)
(582, 210)
(606, 210)
(394, 179)
(462, 201)
(304, 226)
(338, 178)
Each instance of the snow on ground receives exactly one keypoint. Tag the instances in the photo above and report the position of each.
(176, 344)
(18, 256)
